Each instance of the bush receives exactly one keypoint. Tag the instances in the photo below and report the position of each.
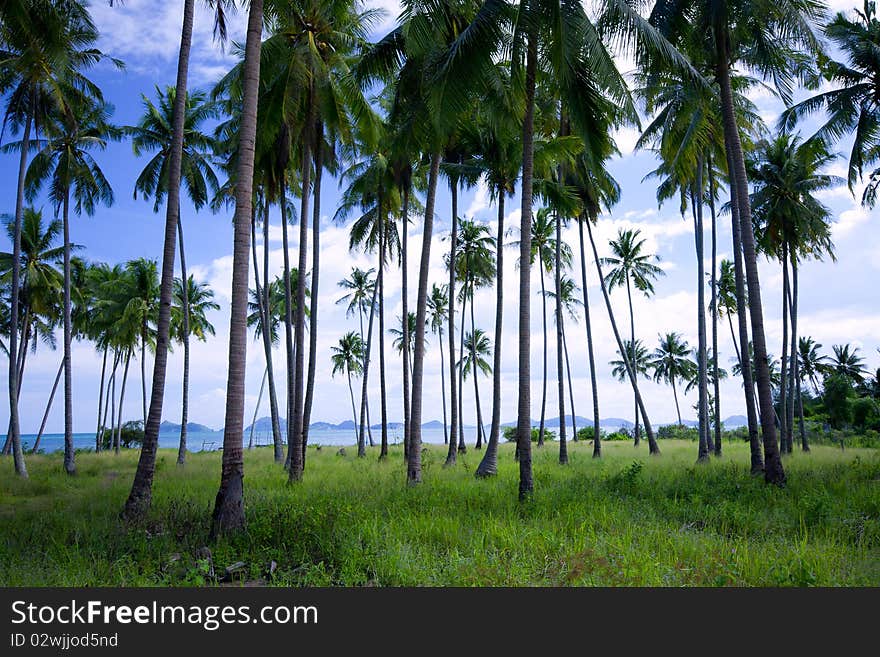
(510, 434)
(586, 433)
(131, 435)
(865, 413)
(678, 432)
(838, 406)
(620, 434)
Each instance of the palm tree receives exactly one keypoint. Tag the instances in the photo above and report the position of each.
(847, 362)
(362, 295)
(348, 357)
(636, 363)
(630, 266)
(189, 318)
(228, 513)
(475, 350)
(65, 162)
(790, 224)
(670, 362)
(405, 334)
(811, 363)
(46, 48)
(568, 289)
(438, 304)
(777, 41)
(852, 105)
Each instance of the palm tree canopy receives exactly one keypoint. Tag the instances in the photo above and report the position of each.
(200, 298)
(348, 355)
(670, 360)
(629, 263)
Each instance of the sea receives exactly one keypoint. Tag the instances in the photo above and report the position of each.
(197, 441)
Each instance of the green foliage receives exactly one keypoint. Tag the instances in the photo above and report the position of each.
(131, 435)
(510, 434)
(678, 432)
(586, 433)
(355, 521)
(865, 413)
(837, 400)
(620, 434)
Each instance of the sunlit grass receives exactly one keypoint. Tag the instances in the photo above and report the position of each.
(627, 519)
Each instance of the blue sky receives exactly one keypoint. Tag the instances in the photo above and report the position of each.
(838, 301)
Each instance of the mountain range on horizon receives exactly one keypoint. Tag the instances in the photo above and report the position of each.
(265, 424)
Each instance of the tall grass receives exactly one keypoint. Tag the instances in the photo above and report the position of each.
(627, 519)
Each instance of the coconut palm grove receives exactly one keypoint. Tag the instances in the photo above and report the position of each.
(500, 292)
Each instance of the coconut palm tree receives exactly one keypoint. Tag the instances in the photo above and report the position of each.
(847, 362)
(438, 304)
(142, 305)
(637, 363)
(65, 165)
(812, 364)
(631, 267)
(571, 303)
(475, 351)
(405, 333)
(46, 47)
(189, 318)
(670, 362)
(228, 515)
(852, 105)
(348, 357)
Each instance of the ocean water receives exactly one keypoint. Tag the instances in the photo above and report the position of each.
(202, 440)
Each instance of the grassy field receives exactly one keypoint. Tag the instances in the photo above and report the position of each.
(627, 519)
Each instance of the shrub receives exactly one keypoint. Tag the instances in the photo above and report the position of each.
(131, 435)
(586, 433)
(678, 432)
(865, 413)
(838, 390)
(510, 434)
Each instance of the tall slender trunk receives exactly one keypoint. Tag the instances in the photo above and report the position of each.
(118, 431)
(14, 433)
(100, 398)
(69, 457)
(277, 439)
(383, 401)
(697, 202)
(574, 429)
(289, 348)
(524, 398)
(354, 415)
(714, 304)
(475, 370)
(365, 419)
(453, 390)
(653, 448)
(560, 379)
(462, 446)
(544, 375)
(632, 359)
(313, 304)
(675, 397)
(257, 409)
(795, 363)
(442, 387)
(109, 396)
(792, 369)
(757, 456)
(144, 370)
(489, 464)
(405, 328)
(597, 438)
(48, 408)
(228, 513)
(139, 499)
(773, 470)
(783, 379)
(414, 464)
(184, 419)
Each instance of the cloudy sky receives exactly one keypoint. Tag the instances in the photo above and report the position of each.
(838, 300)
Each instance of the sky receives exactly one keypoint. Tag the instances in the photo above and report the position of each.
(838, 300)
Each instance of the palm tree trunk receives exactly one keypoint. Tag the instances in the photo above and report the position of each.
(144, 369)
(109, 396)
(574, 429)
(405, 328)
(365, 418)
(783, 380)
(141, 495)
(257, 408)
(524, 398)
(773, 470)
(597, 438)
(453, 390)
(793, 365)
(267, 338)
(560, 379)
(118, 431)
(69, 458)
(489, 464)
(290, 349)
(442, 387)
(653, 448)
(414, 464)
(14, 433)
(228, 513)
(714, 304)
(675, 397)
(353, 407)
(544, 376)
(475, 369)
(48, 408)
(184, 419)
(702, 406)
(313, 305)
(631, 357)
(795, 362)
(100, 398)
(757, 457)
(383, 404)
(462, 446)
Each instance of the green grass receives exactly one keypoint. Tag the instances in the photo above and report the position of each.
(627, 519)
